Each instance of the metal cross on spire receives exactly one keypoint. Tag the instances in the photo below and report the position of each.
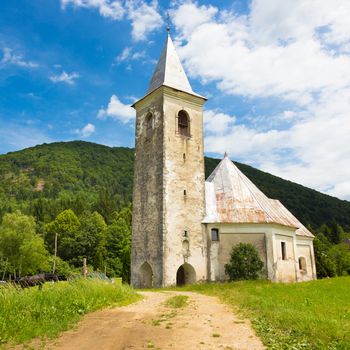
(168, 22)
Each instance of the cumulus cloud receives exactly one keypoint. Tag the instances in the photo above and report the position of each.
(67, 78)
(144, 18)
(117, 110)
(86, 131)
(143, 15)
(216, 122)
(277, 53)
(10, 58)
(107, 8)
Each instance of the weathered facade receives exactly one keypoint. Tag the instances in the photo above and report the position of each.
(169, 197)
(183, 226)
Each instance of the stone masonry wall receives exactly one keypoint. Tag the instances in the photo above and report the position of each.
(147, 237)
(183, 171)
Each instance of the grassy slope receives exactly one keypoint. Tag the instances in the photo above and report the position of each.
(30, 313)
(312, 315)
(68, 168)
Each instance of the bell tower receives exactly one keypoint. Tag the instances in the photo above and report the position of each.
(168, 240)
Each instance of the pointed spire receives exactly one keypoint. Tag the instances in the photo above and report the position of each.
(169, 71)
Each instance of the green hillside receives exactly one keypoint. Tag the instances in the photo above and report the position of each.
(44, 180)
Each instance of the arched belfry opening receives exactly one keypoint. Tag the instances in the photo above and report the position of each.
(146, 275)
(183, 123)
(185, 274)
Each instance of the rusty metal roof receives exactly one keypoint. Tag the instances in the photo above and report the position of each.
(232, 198)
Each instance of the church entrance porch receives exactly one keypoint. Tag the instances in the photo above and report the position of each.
(146, 276)
(185, 275)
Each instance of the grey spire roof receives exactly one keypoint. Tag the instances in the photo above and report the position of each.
(232, 198)
(169, 71)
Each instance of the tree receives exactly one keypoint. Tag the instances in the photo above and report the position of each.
(325, 263)
(341, 256)
(66, 227)
(245, 263)
(118, 244)
(92, 239)
(23, 249)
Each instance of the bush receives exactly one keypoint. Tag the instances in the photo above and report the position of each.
(245, 263)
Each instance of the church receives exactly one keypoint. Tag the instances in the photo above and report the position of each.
(184, 226)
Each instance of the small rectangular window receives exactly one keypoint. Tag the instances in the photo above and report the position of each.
(283, 251)
(214, 234)
(185, 233)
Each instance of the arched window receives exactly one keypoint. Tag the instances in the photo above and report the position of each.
(183, 123)
(149, 124)
(302, 264)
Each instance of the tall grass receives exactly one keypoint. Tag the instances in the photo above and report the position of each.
(30, 313)
(311, 315)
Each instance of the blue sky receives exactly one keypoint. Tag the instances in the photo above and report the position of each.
(277, 78)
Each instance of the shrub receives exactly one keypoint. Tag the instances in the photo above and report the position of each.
(245, 263)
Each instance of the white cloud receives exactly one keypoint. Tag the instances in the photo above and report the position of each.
(117, 110)
(107, 8)
(216, 122)
(128, 54)
(297, 53)
(188, 16)
(143, 15)
(68, 78)
(9, 58)
(224, 134)
(144, 18)
(86, 131)
(125, 54)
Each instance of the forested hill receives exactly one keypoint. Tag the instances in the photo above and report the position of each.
(46, 179)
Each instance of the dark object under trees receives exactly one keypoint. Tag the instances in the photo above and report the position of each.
(245, 263)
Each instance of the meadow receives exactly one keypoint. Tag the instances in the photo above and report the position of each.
(30, 313)
(310, 315)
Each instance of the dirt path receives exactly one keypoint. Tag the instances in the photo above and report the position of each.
(204, 323)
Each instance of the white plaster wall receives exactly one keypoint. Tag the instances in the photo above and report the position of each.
(285, 269)
(266, 237)
(305, 249)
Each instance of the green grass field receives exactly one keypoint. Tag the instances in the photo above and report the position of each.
(30, 313)
(311, 315)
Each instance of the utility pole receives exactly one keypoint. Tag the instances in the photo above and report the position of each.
(5, 268)
(55, 255)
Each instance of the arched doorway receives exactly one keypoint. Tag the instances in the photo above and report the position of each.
(185, 275)
(146, 275)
